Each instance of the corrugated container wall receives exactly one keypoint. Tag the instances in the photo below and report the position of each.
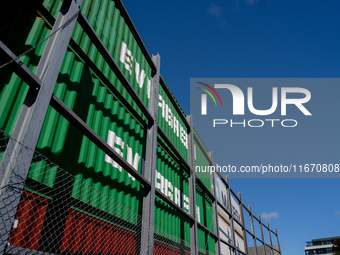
(86, 95)
(91, 94)
(203, 201)
(12, 89)
(206, 243)
(171, 122)
(204, 209)
(201, 165)
(115, 34)
(172, 181)
(205, 217)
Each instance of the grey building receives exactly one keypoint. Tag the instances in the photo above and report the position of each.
(320, 246)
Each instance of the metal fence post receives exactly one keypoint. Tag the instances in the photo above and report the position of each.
(232, 227)
(278, 243)
(253, 229)
(215, 209)
(270, 238)
(147, 241)
(262, 235)
(20, 149)
(244, 232)
(192, 190)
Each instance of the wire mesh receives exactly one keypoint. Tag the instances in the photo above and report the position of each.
(46, 212)
(168, 244)
(202, 251)
(48, 218)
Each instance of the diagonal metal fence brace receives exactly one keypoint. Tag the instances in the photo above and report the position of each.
(16, 161)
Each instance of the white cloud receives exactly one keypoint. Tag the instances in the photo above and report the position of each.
(268, 216)
(337, 213)
(214, 10)
(252, 2)
(285, 242)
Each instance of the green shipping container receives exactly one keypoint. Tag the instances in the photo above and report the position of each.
(107, 20)
(206, 243)
(111, 27)
(171, 121)
(81, 89)
(110, 24)
(201, 161)
(12, 89)
(68, 148)
(205, 217)
(204, 209)
(83, 93)
(172, 181)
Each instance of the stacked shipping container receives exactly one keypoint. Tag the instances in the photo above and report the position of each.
(89, 86)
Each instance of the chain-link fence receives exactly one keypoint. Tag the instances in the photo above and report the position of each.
(58, 213)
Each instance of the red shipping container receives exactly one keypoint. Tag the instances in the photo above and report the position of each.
(108, 241)
(98, 240)
(89, 236)
(123, 243)
(116, 242)
(156, 248)
(22, 223)
(37, 226)
(77, 240)
(131, 248)
(67, 238)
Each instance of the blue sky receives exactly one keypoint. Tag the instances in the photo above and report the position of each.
(249, 39)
